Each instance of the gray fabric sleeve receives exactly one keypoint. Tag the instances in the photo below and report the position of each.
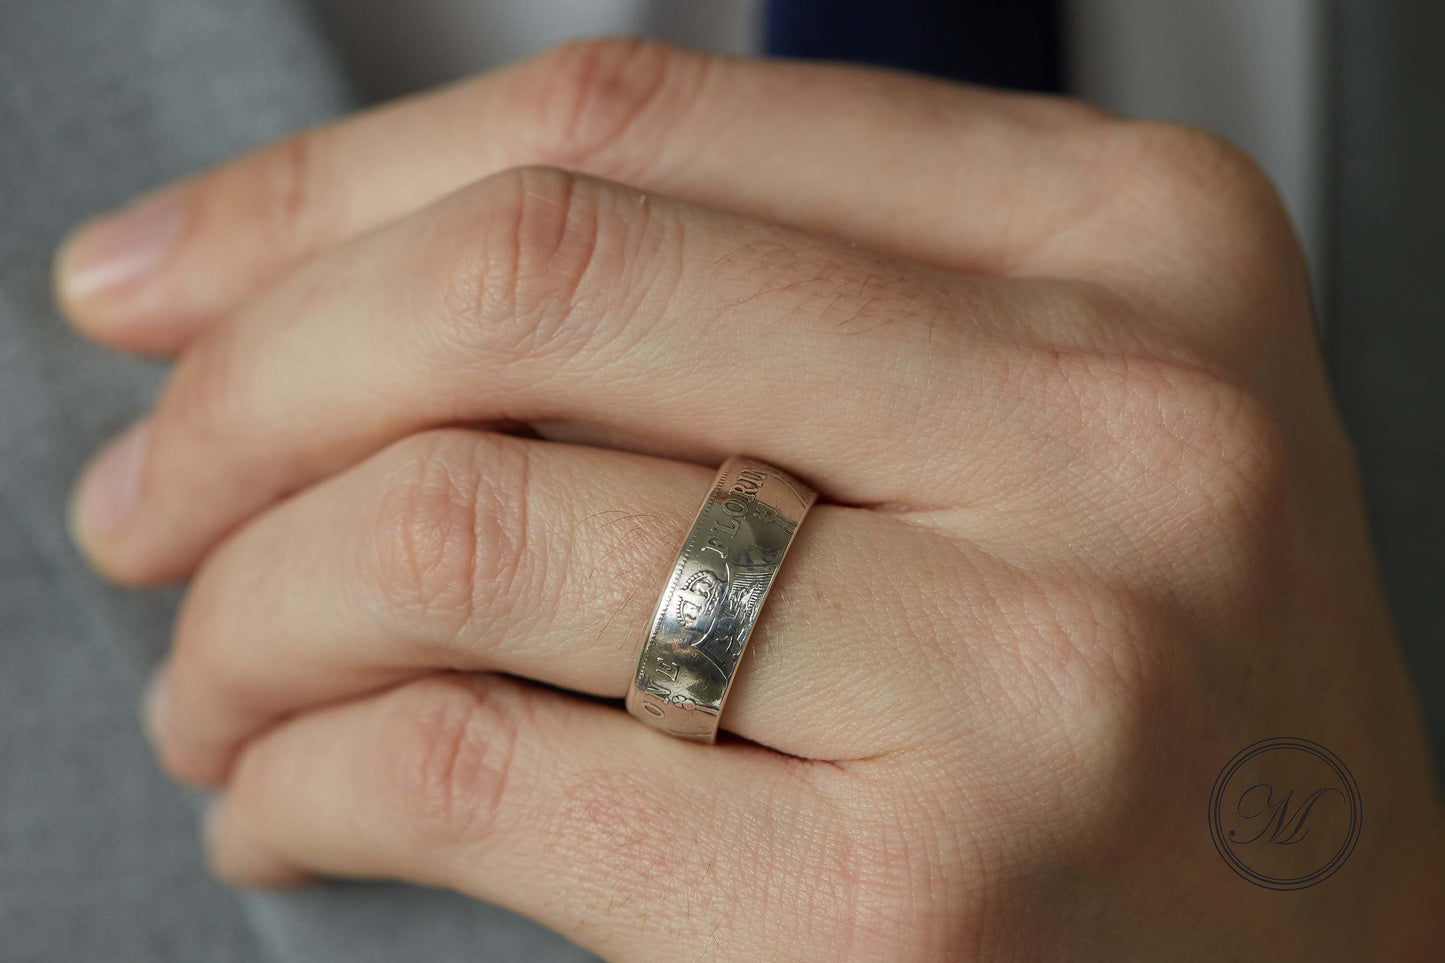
(98, 860)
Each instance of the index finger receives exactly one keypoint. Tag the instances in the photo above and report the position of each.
(944, 173)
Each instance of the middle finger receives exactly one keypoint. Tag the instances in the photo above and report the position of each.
(545, 297)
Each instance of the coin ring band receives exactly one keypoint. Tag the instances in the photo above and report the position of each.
(713, 597)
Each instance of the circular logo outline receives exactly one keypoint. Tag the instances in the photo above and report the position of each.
(1352, 797)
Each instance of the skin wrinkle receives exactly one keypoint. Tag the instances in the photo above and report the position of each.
(420, 574)
(602, 93)
(524, 548)
(293, 213)
(621, 235)
(657, 250)
(539, 305)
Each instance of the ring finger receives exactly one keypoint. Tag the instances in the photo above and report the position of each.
(479, 551)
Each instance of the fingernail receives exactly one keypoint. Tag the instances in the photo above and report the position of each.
(155, 704)
(109, 488)
(119, 247)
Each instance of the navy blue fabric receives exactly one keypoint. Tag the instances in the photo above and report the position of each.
(1004, 43)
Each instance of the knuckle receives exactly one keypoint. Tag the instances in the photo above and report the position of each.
(1083, 663)
(1191, 171)
(292, 211)
(534, 236)
(1229, 451)
(447, 759)
(589, 101)
(1074, 641)
(449, 545)
(1200, 192)
(1095, 669)
(1199, 459)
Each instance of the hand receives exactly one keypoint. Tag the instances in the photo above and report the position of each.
(1093, 524)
